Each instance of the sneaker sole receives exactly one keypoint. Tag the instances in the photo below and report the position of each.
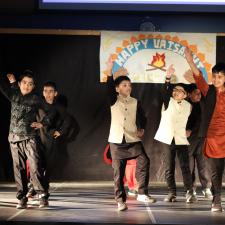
(191, 202)
(123, 209)
(152, 201)
(25, 207)
(131, 194)
(43, 206)
(217, 210)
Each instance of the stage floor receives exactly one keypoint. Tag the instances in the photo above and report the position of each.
(93, 202)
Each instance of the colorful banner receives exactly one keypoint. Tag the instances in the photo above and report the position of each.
(146, 56)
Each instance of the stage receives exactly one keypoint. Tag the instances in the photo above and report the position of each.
(93, 203)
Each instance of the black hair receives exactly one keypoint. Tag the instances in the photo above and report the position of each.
(119, 79)
(191, 88)
(27, 73)
(219, 67)
(50, 84)
(184, 86)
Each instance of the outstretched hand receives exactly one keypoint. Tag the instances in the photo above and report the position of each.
(190, 60)
(120, 72)
(170, 71)
(109, 64)
(188, 54)
(11, 78)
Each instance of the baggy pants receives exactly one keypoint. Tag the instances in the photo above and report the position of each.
(142, 171)
(22, 151)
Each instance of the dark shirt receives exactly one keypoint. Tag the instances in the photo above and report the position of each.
(24, 109)
(61, 121)
(194, 120)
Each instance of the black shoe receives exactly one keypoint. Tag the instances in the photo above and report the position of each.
(22, 204)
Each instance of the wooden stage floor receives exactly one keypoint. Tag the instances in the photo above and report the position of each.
(93, 203)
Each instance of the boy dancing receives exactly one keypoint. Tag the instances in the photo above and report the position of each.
(196, 156)
(127, 127)
(212, 124)
(23, 139)
(172, 132)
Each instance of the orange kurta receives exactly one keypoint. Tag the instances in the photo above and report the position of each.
(214, 146)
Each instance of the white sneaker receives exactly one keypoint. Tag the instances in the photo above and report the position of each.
(190, 197)
(217, 207)
(207, 193)
(146, 198)
(122, 206)
(132, 192)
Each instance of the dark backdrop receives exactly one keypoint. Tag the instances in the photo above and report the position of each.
(73, 63)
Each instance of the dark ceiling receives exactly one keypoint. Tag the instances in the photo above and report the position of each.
(18, 6)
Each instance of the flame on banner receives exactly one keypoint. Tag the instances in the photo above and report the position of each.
(159, 60)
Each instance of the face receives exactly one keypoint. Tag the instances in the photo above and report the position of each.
(124, 88)
(179, 93)
(195, 95)
(49, 94)
(26, 85)
(218, 79)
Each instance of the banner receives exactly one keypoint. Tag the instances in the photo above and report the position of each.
(146, 55)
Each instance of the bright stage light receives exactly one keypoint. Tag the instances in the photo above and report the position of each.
(136, 5)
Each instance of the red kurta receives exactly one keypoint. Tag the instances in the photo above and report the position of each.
(214, 146)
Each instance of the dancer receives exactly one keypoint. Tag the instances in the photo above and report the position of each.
(127, 127)
(172, 133)
(212, 124)
(23, 138)
(196, 156)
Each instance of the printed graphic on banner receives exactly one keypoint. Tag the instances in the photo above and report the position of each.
(146, 56)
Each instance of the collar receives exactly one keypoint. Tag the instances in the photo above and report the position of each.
(124, 99)
(178, 102)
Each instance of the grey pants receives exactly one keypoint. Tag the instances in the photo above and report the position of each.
(22, 151)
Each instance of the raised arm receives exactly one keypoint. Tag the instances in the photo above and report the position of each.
(199, 79)
(5, 88)
(167, 87)
(189, 57)
(11, 78)
(110, 82)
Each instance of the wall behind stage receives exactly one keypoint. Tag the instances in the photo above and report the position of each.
(73, 63)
